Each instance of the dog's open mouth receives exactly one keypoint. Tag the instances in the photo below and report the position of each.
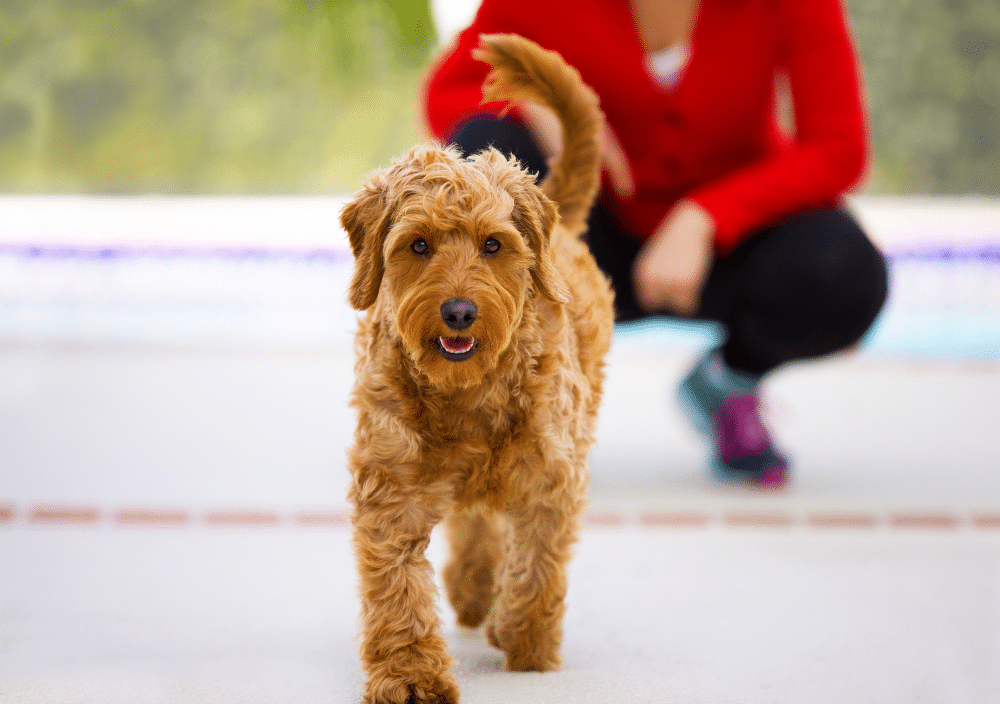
(456, 349)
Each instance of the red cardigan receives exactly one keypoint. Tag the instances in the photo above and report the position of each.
(714, 137)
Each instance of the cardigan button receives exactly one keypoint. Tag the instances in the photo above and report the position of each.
(670, 165)
(673, 118)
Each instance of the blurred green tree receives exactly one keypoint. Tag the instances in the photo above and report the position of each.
(203, 96)
(933, 75)
(306, 96)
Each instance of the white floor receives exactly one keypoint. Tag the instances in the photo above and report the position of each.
(157, 544)
(172, 525)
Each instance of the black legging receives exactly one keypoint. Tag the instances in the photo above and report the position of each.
(803, 288)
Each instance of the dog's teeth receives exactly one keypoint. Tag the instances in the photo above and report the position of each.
(457, 345)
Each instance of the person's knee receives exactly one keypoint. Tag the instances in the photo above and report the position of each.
(817, 290)
(848, 272)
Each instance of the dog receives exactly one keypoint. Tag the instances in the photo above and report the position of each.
(478, 377)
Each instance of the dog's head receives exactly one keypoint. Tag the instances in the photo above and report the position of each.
(453, 249)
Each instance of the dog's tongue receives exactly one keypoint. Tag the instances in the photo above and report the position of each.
(457, 345)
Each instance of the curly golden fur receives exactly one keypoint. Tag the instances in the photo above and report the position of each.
(478, 378)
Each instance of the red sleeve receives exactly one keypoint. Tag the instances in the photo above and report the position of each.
(829, 151)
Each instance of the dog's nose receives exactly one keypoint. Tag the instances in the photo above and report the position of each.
(458, 313)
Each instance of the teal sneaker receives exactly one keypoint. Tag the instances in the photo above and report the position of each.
(722, 404)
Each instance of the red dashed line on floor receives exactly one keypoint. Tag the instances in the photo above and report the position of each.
(143, 517)
(988, 521)
(673, 519)
(323, 519)
(843, 520)
(758, 520)
(64, 515)
(745, 519)
(242, 518)
(941, 521)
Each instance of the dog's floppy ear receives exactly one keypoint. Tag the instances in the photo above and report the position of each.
(535, 216)
(367, 220)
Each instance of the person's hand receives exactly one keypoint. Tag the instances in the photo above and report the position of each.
(670, 270)
(614, 162)
(547, 132)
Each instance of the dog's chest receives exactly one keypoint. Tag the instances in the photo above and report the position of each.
(475, 453)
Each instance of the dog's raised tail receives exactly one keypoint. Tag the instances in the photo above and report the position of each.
(522, 70)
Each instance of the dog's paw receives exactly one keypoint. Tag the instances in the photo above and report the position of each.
(524, 649)
(441, 689)
(492, 636)
(416, 695)
(470, 593)
(470, 614)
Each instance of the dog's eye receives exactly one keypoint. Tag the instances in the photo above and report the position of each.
(492, 246)
(420, 246)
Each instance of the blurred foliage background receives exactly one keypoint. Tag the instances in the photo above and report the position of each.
(300, 96)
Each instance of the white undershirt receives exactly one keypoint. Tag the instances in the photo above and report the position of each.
(667, 65)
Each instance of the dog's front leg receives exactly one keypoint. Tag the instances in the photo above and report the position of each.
(402, 650)
(526, 621)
